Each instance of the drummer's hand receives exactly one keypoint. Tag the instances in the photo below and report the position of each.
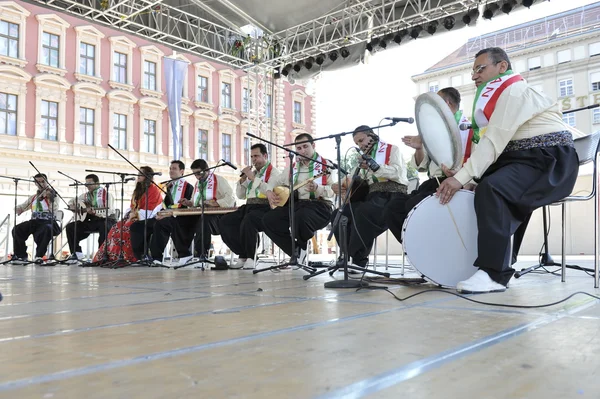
(413, 142)
(448, 172)
(447, 189)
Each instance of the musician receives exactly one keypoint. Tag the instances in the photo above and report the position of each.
(386, 179)
(217, 193)
(525, 160)
(312, 209)
(399, 207)
(162, 227)
(96, 198)
(139, 209)
(239, 229)
(42, 225)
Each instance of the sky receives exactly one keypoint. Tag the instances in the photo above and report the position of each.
(366, 93)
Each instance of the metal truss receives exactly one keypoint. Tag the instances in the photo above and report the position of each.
(198, 33)
(358, 22)
(160, 22)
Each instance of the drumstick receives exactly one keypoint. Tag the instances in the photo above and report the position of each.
(453, 220)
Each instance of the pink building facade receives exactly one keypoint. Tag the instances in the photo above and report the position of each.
(69, 87)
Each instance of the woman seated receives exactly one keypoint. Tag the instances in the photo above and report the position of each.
(111, 248)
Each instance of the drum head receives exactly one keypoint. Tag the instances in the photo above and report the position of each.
(438, 130)
(432, 241)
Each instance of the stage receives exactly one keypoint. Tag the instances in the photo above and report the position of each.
(70, 332)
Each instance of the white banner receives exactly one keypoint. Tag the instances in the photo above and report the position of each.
(175, 71)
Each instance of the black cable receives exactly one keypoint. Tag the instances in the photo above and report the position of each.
(481, 302)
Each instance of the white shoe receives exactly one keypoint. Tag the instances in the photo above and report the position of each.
(239, 264)
(479, 283)
(184, 260)
(249, 264)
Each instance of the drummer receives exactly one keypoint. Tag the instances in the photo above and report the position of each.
(525, 160)
(397, 209)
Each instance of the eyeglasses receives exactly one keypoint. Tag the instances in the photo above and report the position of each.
(480, 68)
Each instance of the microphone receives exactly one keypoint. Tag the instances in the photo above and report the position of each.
(228, 164)
(396, 120)
(465, 126)
(128, 179)
(374, 166)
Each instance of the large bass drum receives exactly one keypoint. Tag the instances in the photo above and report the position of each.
(440, 241)
(438, 130)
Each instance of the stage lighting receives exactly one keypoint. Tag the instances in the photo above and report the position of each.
(397, 38)
(382, 43)
(403, 32)
(414, 33)
(298, 66)
(370, 47)
(471, 16)
(277, 73)
(333, 55)
(344, 52)
(308, 64)
(527, 3)
(449, 22)
(508, 6)
(286, 70)
(432, 27)
(490, 10)
(320, 59)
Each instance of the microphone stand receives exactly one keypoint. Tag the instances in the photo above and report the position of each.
(77, 184)
(202, 259)
(341, 222)
(52, 259)
(145, 261)
(293, 257)
(16, 180)
(121, 261)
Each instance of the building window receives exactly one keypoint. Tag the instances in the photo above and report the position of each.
(203, 89)
(534, 63)
(49, 120)
(247, 151)
(268, 105)
(563, 56)
(87, 59)
(9, 39)
(120, 67)
(226, 95)
(594, 49)
(434, 86)
(569, 119)
(595, 81)
(596, 116)
(297, 112)
(226, 147)
(150, 136)
(86, 125)
(202, 144)
(565, 87)
(50, 49)
(150, 75)
(456, 81)
(119, 136)
(8, 114)
(247, 100)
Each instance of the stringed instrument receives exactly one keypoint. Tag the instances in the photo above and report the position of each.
(217, 210)
(360, 187)
(284, 192)
(82, 214)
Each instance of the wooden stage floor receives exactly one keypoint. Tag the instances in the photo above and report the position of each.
(70, 332)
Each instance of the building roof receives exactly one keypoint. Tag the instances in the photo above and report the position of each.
(555, 27)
